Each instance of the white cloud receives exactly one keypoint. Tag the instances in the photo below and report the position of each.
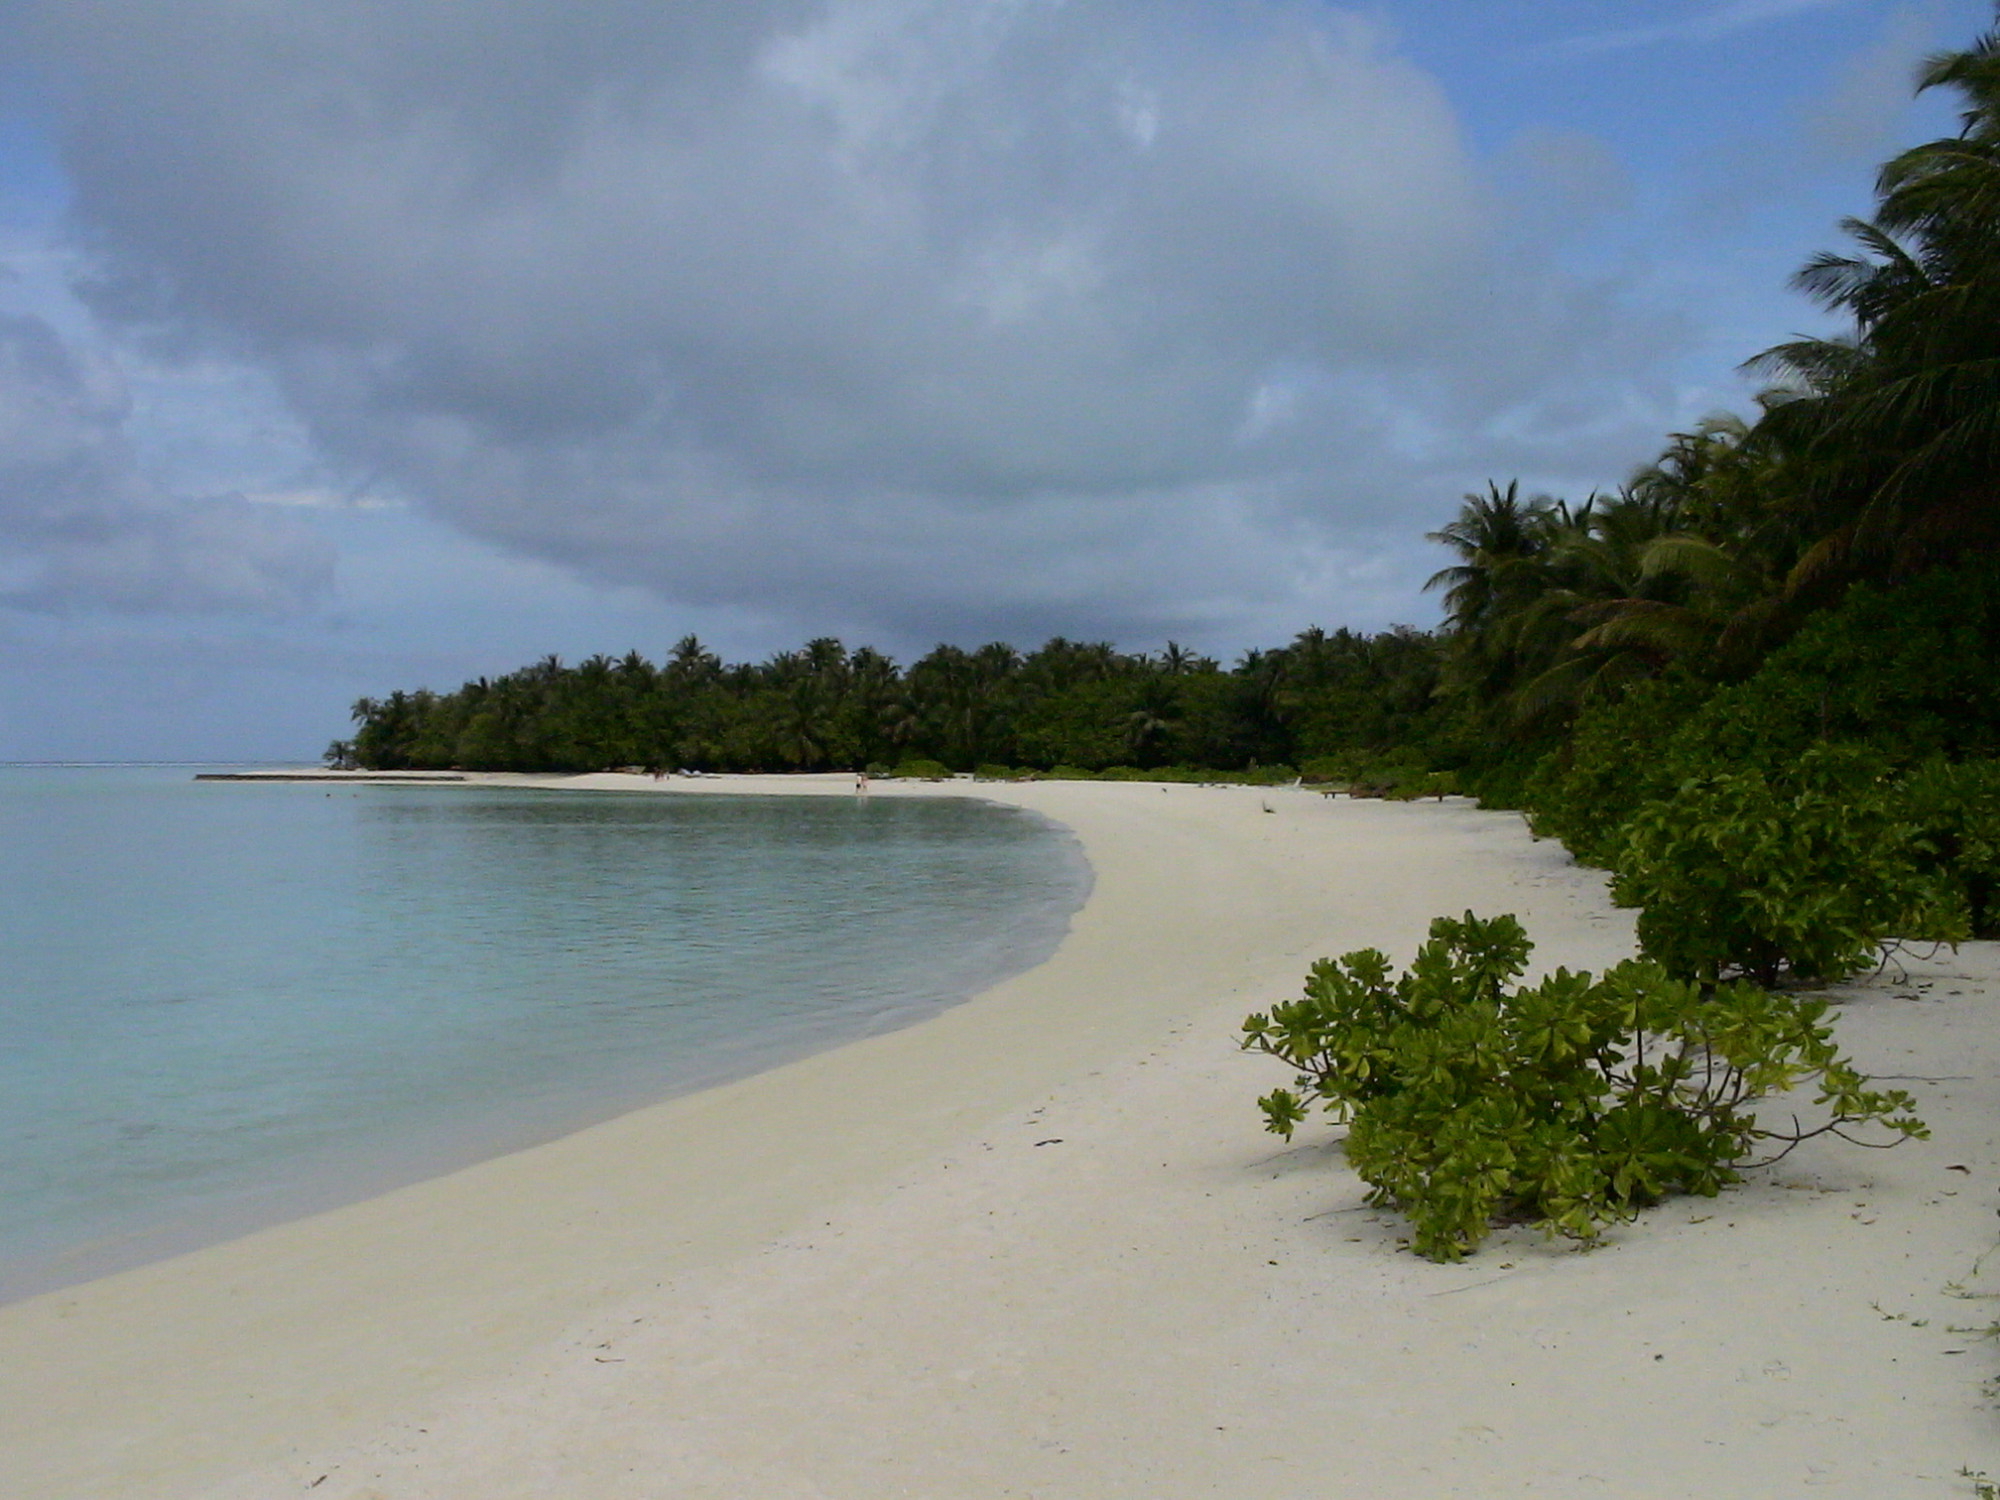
(80, 527)
(1712, 23)
(914, 313)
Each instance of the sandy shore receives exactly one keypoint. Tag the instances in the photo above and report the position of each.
(1039, 1246)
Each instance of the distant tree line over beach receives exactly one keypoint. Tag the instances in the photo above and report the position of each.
(1083, 706)
(1822, 574)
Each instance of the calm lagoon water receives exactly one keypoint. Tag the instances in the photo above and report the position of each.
(224, 1003)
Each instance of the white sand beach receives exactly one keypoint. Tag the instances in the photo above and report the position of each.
(1040, 1246)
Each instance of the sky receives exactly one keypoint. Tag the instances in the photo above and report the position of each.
(391, 343)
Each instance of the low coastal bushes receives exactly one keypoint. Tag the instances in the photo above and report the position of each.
(1578, 1101)
(1782, 830)
(1615, 762)
(1955, 810)
(1573, 1103)
(1400, 775)
(1797, 876)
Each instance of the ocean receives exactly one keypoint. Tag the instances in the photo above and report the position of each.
(225, 1004)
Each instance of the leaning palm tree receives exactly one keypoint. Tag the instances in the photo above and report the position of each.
(1690, 601)
(1896, 426)
(1950, 188)
(1620, 589)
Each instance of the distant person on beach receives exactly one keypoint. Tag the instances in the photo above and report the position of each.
(860, 783)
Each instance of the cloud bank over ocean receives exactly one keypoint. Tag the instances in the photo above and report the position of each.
(81, 527)
(902, 319)
(879, 308)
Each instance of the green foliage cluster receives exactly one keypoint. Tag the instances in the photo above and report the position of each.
(1955, 809)
(1615, 762)
(1854, 518)
(1904, 666)
(1070, 708)
(1573, 1102)
(1798, 875)
(1401, 775)
(1785, 825)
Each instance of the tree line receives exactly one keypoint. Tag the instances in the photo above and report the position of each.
(1870, 471)
(1072, 705)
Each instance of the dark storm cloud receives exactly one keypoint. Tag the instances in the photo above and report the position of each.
(1155, 315)
(80, 527)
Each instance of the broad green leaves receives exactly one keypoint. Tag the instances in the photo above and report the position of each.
(1800, 876)
(1573, 1102)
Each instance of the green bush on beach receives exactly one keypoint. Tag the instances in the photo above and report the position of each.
(1801, 876)
(1573, 1103)
(1955, 809)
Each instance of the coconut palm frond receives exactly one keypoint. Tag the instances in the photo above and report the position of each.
(1815, 365)
(1707, 565)
(1663, 631)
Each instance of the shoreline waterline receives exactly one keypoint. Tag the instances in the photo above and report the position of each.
(469, 970)
(1040, 1244)
(483, 1263)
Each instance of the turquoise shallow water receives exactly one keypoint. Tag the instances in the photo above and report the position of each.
(222, 1003)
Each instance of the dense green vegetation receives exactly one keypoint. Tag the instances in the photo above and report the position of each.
(1758, 683)
(1574, 1102)
(1084, 707)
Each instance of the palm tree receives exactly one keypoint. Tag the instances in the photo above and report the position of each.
(965, 697)
(1494, 535)
(1151, 722)
(867, 715)
(691, 663)
(1950, 188)
(1897, 426)
(1259, 691)
(802, 725)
